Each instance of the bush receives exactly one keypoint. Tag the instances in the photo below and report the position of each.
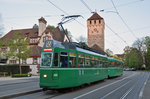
(21, 75)
(14, 69)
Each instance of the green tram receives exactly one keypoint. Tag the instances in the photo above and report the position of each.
(114, 67)
(64, 65)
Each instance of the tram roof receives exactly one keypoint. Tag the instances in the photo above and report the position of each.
(90, 52)
(72, 46)
(113, 59)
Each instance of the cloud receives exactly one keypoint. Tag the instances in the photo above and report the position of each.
(20, 1)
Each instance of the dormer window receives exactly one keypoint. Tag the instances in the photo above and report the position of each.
(46, 38)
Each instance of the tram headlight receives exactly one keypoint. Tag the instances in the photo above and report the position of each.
(44, 76)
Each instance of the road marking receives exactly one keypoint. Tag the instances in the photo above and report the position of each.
(142, 90)
(114, 90)
(130, 89)
(103, 87)
(127, 93)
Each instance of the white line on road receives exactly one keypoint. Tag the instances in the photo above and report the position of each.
(103, 87)
(123, 97)
(127, 93)
(141, 92)
(114, 90)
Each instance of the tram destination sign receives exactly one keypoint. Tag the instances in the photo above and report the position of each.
(48, 44)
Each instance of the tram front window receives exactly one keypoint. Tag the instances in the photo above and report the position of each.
(46, 59)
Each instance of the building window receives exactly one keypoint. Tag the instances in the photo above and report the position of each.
(24, 61)
(90, 22)
(99, 21)
(46, 38)
(95, 21)
(12, 61)
(34, 60)
(33, 40)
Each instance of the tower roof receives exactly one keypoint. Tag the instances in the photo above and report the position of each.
(43, 20)
(95, 16)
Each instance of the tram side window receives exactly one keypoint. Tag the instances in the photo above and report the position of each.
(56, 59)
(112, 64)
(100, 64)
(96, 63)
(87, 62)
(92, 63)
(72, 60)
(106, 64)
(81, 60)
(64, 59)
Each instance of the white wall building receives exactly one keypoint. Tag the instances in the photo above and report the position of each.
(37, 36)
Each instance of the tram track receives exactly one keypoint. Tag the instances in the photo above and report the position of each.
(126, 86)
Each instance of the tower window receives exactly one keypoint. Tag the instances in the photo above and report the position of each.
(95, 21)
(90, 22)
(99, 21)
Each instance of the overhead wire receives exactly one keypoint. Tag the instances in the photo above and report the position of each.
(86, 6)
(123, 19)
(124, 4)
(65, 12)
(116, 34)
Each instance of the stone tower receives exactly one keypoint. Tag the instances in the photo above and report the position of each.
(96, 25)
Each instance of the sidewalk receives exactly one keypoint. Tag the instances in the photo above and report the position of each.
(10, 80)
(13, 87)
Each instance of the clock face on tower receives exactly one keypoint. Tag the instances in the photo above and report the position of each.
(95, 30)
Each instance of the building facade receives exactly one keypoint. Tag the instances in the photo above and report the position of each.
(96, 26)
(37, 35)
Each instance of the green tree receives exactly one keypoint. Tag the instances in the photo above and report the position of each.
(147, 53)
(51, 27)
(83, 43)
(18, 48)
(133, 57)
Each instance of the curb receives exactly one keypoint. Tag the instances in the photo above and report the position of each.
(20, 94)
(16, 83)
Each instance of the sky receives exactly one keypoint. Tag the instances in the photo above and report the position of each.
(123, 25)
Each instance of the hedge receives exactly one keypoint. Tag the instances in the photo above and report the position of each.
(21, 75)
(14, 69)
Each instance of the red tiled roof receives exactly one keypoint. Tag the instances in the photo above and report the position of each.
(95, 16)
(96, 47)
(43, 20)
(36, 50)
(58, 34)
(33, 32)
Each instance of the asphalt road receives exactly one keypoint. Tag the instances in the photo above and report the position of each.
(131, 85)
(11, 87)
